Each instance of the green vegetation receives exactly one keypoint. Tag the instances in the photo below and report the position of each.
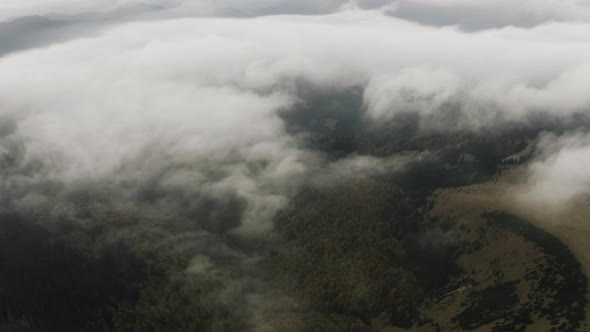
(341, 252)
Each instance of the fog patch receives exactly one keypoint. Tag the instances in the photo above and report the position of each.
(559, 173)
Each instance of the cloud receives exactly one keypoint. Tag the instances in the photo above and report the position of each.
(412, 90)
(486, 14)
(11, 9)
(470, 15)
(560, 172)
(153, 96)
(134, 121)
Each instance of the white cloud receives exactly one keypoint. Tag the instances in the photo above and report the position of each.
(561, 172)
(480, 14)
(207, 90)
(10, 9)
(413, 89)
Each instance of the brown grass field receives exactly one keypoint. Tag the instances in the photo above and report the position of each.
(507, 192)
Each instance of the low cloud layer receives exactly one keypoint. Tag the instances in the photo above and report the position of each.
(471, 15)
(486, 14)
(209, 90)
(560, 173)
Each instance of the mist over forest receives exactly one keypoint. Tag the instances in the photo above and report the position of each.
(281, 165)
